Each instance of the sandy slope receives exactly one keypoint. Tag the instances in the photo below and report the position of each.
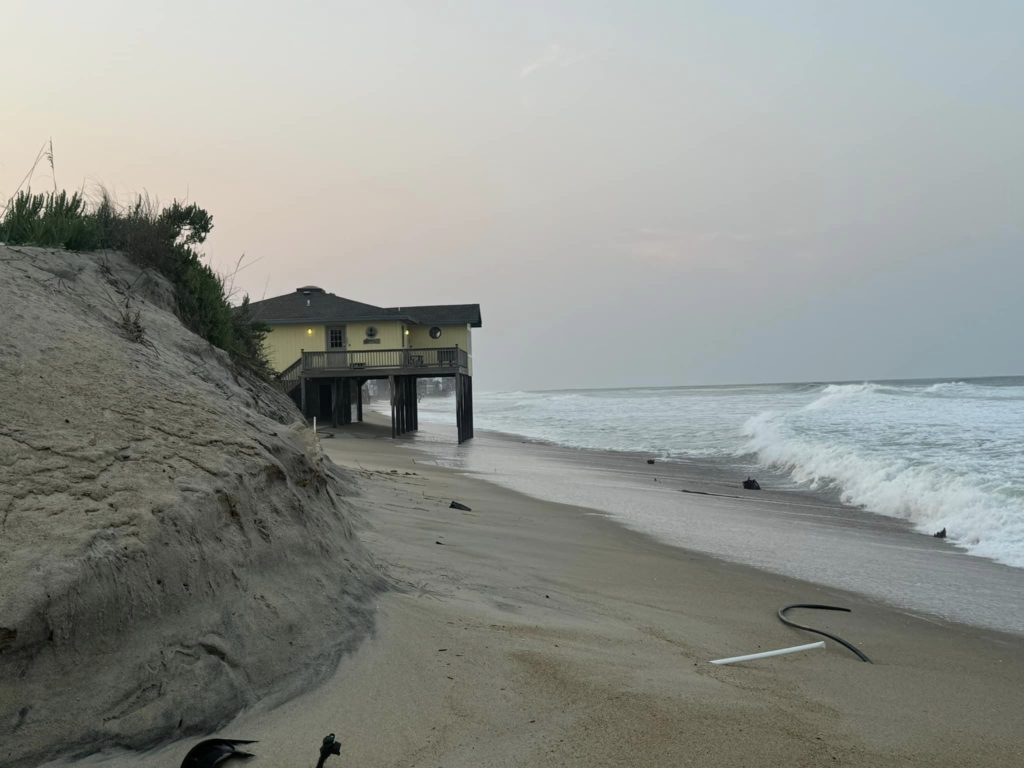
(172, 545)
(536, 634)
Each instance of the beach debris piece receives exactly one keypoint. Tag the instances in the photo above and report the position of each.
(439, 542)
(459, 505)
(650, 461)
(768, 654)
(211, 752)
(750, 484)
(940, 534)
(823, 633)
(329, 746)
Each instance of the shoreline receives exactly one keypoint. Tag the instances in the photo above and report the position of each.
(785, 531)
(526, 632)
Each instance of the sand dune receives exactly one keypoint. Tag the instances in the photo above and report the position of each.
(173, 546)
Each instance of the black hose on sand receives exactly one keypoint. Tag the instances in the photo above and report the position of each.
(784, 620)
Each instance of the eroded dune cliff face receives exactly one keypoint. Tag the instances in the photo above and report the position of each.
(173, 546)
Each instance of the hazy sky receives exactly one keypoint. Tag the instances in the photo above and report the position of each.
(638, 193)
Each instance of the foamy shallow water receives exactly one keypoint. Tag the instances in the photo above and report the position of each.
(796, 533)
(937, 454)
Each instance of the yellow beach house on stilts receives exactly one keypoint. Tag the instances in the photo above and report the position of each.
(324, 348)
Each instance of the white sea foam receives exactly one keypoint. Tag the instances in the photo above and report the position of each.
(938, 454)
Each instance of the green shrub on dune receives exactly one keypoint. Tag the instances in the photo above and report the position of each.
(164, 240)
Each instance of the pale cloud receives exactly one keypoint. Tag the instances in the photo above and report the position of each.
(553, 56)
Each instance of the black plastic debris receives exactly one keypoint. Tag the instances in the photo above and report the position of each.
(940, 534)
(330, 746)
(750, 484)
(815, 606)
(458, 505)
(211, 752)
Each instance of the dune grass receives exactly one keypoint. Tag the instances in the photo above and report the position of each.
(163, 239)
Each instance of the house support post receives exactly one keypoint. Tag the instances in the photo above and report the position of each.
(393, 391)
(302, 389)
(415, 403)
(469, 405)
(410, 404)
(460, 421)
(334, 402)
(359, 399)
(399, 405)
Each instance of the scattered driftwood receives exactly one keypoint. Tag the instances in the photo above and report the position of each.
(458, 505)
(940, 534)
(750, 484)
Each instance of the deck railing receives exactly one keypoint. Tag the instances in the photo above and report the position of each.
(433, 357)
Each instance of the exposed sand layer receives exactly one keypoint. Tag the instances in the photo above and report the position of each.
(173, 546)
(526, 633)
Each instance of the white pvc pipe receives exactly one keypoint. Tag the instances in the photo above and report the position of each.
(766, 654)
(314, 425)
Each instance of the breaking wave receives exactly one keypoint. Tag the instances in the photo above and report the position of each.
(953, 465)
(940, 454)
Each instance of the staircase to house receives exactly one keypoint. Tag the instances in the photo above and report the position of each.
(288, 380)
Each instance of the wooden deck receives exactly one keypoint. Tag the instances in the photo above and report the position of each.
(368, 364)
(329, 384)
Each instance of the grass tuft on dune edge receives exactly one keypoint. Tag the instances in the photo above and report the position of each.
(163, 239)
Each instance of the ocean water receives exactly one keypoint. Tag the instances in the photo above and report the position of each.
(938, 454)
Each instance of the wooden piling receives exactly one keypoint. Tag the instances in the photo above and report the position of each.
(392, 389)
(460, 408)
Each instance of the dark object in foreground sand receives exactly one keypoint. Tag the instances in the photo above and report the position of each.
(457, 505)
(784, 620)
(751, 484)
(940, 534)
(207, 754)
(650, 461)
(331, 746)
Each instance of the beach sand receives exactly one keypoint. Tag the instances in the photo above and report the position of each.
(527, 633)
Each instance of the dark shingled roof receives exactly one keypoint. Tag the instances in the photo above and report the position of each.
(311, 304)
(443, 314)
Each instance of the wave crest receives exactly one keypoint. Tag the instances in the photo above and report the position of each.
(981, 519)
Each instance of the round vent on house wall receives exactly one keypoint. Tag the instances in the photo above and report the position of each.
(371, 332)
(435, 332)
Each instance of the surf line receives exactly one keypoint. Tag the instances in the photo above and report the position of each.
(709, 493)
(762, 500)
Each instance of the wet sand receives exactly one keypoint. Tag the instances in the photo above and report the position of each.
(530, 633)
(700, 505)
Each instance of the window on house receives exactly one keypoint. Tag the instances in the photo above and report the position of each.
(336, 338)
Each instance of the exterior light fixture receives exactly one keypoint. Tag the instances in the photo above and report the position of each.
(309, 331)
